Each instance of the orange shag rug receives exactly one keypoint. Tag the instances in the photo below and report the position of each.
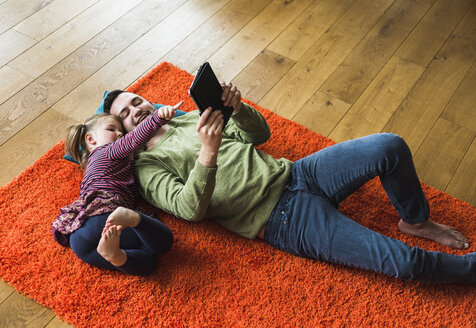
(212, 277)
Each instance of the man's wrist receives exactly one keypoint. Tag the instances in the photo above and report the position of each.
(207, 158)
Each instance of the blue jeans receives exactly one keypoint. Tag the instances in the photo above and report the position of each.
(306, 220)
(142, 244)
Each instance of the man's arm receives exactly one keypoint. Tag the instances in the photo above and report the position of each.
(209, 129)
(187, 199)
(247, 124)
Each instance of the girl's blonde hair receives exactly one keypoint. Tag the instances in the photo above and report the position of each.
(76, 133)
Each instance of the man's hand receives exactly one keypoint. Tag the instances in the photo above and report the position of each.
(231, 96)
(168, 112)
(209, 128)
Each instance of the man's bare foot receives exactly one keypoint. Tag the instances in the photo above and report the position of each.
(440, 233)
(108, 246)
(123, 218)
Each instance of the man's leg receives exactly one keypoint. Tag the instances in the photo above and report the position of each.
(339, 170)
(307, 224)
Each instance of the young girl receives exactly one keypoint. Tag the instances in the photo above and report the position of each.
(100, 226)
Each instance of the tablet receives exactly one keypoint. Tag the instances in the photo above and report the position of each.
(206, 92)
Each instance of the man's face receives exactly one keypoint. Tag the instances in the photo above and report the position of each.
(132, 108)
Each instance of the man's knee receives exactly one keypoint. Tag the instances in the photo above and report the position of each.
(393, 147)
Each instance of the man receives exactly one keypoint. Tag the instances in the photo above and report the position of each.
(292, 206)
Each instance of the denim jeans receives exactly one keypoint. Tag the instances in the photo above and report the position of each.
(306, 220)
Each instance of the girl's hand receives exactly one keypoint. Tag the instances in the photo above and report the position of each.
(168, 112)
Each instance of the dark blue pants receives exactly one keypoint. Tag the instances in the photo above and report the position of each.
(306, 221)
(142, 244)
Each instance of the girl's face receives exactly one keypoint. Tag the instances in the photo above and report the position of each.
(107, 130)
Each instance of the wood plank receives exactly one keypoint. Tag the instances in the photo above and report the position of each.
(45, 91)
(20, 311)
(467, 27)
(14, 11)
(5, 291)
(322, 113)
(52, 17)
(462, 107)
(433, 30)
(12, 82)
(440, 155)
(209, 37)
(306, 29)
(304, 79)
(463, 183)
(376, 105)
(31, 143)
(261, 74)
(237, 53)
(432, 92)
(58, 323)
(128, 65)
(12, 44)
(71, 36)
(356, 72)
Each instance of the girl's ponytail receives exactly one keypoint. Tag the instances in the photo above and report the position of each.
(76, 145)
(75, 139)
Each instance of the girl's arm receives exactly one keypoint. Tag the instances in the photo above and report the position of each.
(137, 138)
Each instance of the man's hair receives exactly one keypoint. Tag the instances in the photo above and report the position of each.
(111, 96)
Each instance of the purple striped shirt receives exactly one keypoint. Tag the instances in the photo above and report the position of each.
(111, 167)
(108, 181)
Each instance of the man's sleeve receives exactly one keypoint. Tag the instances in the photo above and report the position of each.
(185, 199)
(248, 126)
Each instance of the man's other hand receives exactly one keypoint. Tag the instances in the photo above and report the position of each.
(209, 129)
(231, 96)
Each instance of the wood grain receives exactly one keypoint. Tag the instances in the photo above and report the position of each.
(262, 74)
(446, 145)
(306, 29)
(305, 78)
(235, 55)
(322, 113)
(378, 102)
(432, 31)
(50, 18)
(123, 69)
(355, 73)
(433, 91)
(462, 107)
(12, 44)
(31, 143)
(14, 11)
(463, 183)
(69, 37)
(213, 34)
(20, 311)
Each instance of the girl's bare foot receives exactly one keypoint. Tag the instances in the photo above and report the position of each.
(440, 233)
(108, 246)
(123, 218)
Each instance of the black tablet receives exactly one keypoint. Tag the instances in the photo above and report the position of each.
(206, 92)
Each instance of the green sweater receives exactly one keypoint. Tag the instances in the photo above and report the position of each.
(238, 194)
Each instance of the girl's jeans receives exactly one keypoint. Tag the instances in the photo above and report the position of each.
(306, 221)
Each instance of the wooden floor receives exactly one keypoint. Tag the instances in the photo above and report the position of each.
(342, 68)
